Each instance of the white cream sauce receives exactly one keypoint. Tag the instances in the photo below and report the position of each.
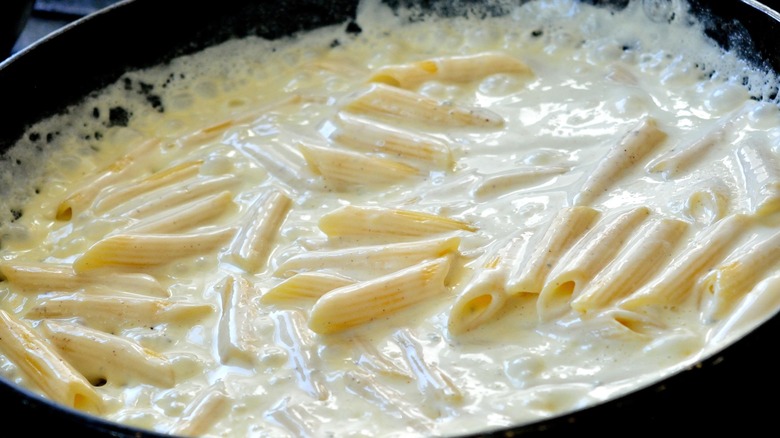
(596, 74)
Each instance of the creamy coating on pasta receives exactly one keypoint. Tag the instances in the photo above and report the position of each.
(428, 227)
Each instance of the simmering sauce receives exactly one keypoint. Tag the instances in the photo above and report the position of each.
(432, 226)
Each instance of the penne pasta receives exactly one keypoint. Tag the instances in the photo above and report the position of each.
(678, 160)
(352, 221)
(366, 135)
(82, 197)
(584, 261)
(675, 283)
(761, 171)
(621, 323)
(385, 397)
(216, 130)
(46, 369)
(640, 259)
(203, 412)
(565, 229)
(110, 314)
(376, 362)
(113, 196)
(346, 169)
(252, 244)
(398, 105)
(293, 335)
(450, 69)
(185, 217)
(104, 358)
(283, 161)
(724, 286)
(146, 250)
(486, 294)
(759, 304)
(34, 277)
(625, 154)
(294, 419)
(171, 197)
(236, 339)
(431, 380)
(305, 285)
(384, 258)
(360, 303)
(498, 184)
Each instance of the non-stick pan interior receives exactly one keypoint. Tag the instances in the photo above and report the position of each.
(724, 391)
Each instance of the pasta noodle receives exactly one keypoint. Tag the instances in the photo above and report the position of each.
(449, 69)
(53, 375)
(360, 303)
(395, 104)
(101, 357)
(632, 148)
(366, 135)
(583, 262)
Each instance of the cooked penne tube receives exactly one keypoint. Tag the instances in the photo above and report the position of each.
(81, 198)
(170, 197)
(641, 257)
(346, 169)
(236, 339)
(477, 305)
(758, 305)
(709, 202)
(728, 283)
(367, 135)
(679, 159)
(621, 323)
(116, 195)
(39, 277)
(386, 398)
(450, 69)
(44, 368)
(109, 313)
(384, 258)
(355, 221)
(215, 130)
(203, 412)
(761, 170)
(431, 380)
(376, 361)
(283, 161)
(293, 335)
(675, 283)
(498, 184)
(204, 135)
(584, 261)
(294, 419)
(565, 229)
(252, 243)
(360, 303)
(396, 104)
(145, 250)
(485, 295)
(185, 217)
(306, 285)
(625, 154)
(105, 358)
